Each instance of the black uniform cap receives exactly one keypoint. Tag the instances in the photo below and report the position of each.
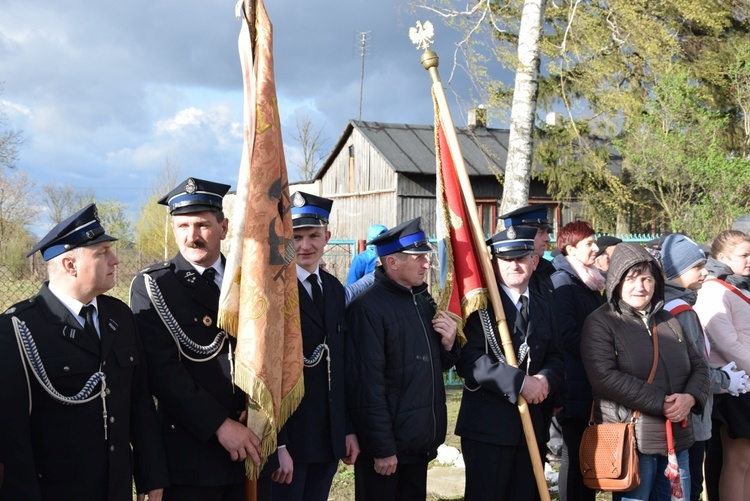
(195, 195)
(310, 210)
(513, 242)
(79, 230)
(533, 215)
(408, 237)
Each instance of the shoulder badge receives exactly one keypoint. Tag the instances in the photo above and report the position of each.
(156, 267)
(19, 307)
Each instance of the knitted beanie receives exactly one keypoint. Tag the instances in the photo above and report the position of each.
(679, 254)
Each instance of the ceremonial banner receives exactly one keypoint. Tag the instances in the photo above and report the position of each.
(259, 300)
(462, 286)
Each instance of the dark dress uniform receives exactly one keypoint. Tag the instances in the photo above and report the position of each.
(194, 398)
(57, 451)
(315, 434)
(489, 424)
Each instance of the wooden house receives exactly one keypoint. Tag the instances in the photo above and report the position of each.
(385, 173)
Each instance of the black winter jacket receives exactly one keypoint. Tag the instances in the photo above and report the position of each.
(573, 303)
(394, 372)
(617, 352)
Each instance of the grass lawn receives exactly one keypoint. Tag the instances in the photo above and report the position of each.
(343, 482)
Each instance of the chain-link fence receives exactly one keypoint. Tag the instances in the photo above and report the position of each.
(22, 281)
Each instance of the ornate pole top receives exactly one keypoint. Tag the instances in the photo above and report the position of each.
(421, 36)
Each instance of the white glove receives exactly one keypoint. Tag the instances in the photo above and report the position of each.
(738, 379)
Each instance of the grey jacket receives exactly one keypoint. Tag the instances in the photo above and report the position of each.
(617, 351)
(691, 326)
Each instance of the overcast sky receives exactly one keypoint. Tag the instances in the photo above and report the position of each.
(105, 92)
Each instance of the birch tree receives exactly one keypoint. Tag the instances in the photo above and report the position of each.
(523, 110)
(601, 61)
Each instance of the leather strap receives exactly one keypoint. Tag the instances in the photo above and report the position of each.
(655, 339)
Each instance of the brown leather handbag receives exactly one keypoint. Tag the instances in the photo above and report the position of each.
(607, 455)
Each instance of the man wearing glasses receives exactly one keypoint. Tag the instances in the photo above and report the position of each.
(396, 352)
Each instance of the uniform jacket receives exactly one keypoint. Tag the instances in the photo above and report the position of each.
(488, 410)
(194, 398)
(59, 452)
(541, 279)
(573, 303)
(617, 352)
(394, 372)
(316, 431)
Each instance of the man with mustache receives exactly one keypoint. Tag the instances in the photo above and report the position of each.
(190, 359)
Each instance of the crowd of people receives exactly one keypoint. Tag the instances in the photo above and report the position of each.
(97, 394)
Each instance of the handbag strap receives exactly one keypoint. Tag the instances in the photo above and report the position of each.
(655, 340)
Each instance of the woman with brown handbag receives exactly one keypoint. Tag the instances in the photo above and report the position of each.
(618, 349)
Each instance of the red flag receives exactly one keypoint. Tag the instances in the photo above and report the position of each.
(463, 288)
(260, 303)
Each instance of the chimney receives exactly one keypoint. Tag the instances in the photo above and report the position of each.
(555, 119)
(477, 117)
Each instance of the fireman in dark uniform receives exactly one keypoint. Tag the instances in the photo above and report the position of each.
(318, 434)
(201, 411)
(74, 394)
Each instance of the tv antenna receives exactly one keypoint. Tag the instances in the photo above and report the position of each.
(361, 41)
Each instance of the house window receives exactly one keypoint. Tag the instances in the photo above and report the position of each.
(487, 210)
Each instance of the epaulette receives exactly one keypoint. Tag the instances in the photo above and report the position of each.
(21, 306)
(158, 266)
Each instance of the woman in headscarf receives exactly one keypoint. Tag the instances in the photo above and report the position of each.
(578, 292)
(618, 353)
(723, 306)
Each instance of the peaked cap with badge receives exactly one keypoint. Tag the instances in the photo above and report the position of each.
(62, 362)
(513, 242)
(195, 195)
(408, 237)
(79, 230)
(188, 355)
(533, 215)
(310, 211)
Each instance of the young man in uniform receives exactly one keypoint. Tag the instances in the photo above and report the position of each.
(317, 434)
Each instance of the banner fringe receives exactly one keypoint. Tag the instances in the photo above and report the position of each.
(260, 398)
(229, 321)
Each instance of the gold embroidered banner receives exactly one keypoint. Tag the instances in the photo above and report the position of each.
(260, 304)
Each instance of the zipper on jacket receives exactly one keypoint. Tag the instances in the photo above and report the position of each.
(432, 366)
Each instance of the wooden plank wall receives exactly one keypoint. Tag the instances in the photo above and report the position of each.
(372, 197)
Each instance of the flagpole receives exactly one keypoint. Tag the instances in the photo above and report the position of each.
(430, 63)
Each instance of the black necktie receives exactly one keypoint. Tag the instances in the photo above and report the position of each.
(210, 275)
(524, 313)
(87, 312)
(317, 293)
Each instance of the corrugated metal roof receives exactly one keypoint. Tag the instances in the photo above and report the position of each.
(410, 149)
